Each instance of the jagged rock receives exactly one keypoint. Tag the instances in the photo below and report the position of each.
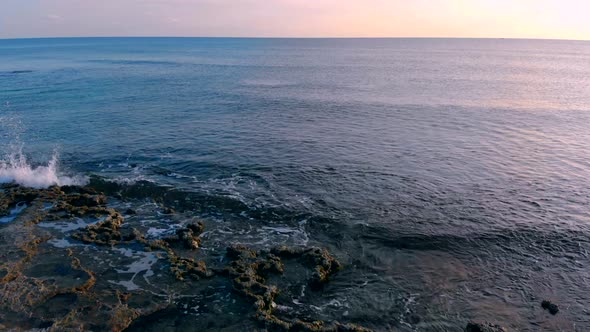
(105, 232)
(130, 211)
(86, 200)
(238, 251)
(189, 236)
(197, 227)
(249, 270)
(12, 194)
(483, 327)
(551, 307)
(272, 264)
(78, 190)
(324, 264)
(188, 267)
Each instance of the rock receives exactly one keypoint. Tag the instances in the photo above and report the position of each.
(189, 240)
(483, 327)
(551, 307)
(189, 236)
(249, 270)
(79, 190)
(103, 233)
(324, 264)
(188, 267)
(238, 251)
(86, 200)
(197, 227)
(271, 265)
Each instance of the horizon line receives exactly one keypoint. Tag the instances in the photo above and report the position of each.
(291, 37)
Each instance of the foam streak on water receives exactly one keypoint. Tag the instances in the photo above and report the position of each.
(17, 169)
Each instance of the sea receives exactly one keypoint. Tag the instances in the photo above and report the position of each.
(450, 177)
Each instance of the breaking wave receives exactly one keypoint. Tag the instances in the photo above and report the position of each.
(17, 169)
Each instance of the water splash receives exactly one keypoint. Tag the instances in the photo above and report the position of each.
(17, 169)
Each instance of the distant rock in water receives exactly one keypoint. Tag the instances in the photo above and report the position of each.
(551, 307)
(15, 72)
(484, 327)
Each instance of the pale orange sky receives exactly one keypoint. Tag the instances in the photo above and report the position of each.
(566, 19)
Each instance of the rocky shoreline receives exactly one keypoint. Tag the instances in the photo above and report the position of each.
(54, 285)
(56, 288)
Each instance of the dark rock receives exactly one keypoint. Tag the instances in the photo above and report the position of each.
(324, 264)
(78, 190)
(198, 228)
(551, 307)
(105, 233)
(272, 264)
(483, 327)
(130, 212)
(249, 270)
(86, 200)
(188, 267)
(238, 251)
(188, 237)
(25, 196)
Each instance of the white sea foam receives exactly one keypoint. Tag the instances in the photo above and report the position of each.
(17, 169)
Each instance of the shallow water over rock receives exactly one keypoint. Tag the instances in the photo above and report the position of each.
(83, 265)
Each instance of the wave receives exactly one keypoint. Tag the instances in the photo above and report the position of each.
(135, 62)
(17, 169)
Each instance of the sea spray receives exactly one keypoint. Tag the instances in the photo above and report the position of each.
(14, 166)
(17, 169)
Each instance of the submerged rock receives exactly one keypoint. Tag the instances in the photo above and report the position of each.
(551, 307)
(324, 264)
(249, 270)
(483, 327)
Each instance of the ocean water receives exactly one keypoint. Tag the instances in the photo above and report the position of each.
(450, 176)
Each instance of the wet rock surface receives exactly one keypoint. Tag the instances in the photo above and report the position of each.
(249, 271)
(551, 307)
(71, 262)
(188, 236)
(320, 260)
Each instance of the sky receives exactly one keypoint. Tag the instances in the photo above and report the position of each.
(551, 19)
